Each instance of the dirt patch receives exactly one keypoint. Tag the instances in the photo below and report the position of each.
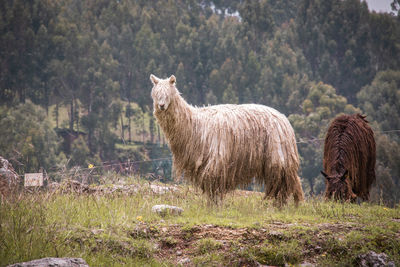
(178, 243)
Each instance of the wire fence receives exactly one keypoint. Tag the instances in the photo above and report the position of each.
(131, 167)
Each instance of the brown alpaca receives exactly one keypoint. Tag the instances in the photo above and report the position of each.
(219, 148)
(349, 158)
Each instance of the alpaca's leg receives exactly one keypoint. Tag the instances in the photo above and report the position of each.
(283, 193)
(371, 178)
(277, 190)
(298, 194)
(280, 201)
(214, 197)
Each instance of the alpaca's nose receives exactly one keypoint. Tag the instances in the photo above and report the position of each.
(162, 106)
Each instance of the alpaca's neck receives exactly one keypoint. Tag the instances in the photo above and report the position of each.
(176, 122)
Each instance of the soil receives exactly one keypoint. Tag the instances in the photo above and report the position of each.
(178, 244)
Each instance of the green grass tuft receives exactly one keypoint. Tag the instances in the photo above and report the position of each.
(207, 245)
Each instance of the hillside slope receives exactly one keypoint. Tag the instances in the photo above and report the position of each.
(115, 226)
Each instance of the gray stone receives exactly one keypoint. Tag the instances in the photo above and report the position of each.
(53, 262)
(304, 264)
(307, 264)
(166, 209)
(9, 179)
(373, 259)
(184, 261)
(53, 186)
(158, 189)
(276, 235)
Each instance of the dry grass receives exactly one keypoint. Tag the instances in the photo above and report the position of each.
(117, 229)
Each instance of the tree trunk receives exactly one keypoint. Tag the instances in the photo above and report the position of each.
(56, 114)
(21, 94)
(151, 128)
(143, 131)
(159, 135)
(76, 116)
(129, 121)
(129, 130)
(71, 117)
(90, 130)
(310, 181)
(122, 128)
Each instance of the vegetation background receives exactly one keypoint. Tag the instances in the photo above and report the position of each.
(75, 90)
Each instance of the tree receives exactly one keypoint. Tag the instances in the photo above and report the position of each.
(336, 38)
(229, 96)
(284, 73)
(23, 64)
(381, 99)
(387, 186)
(27, 138)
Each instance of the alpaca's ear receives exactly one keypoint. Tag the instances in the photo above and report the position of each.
(154, 79)
(172, 79)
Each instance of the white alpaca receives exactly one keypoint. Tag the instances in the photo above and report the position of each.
(219, 148)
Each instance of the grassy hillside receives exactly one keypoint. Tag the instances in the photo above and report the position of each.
(113, 229)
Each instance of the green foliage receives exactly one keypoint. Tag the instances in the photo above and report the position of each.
(337, 39)
(80, 154)
(207, 245)
(279, 254)
(387, 186)
(381, 100)
(27, 139)
(229, 96)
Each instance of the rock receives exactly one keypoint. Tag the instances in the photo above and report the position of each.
(97, 231)
(306, 264)
(166, 209)
(73, 186)
(9, 179)
(140, 231)
(53, 186)
(124, 189)
(53, 262)
(317, 249)
(372, 259)
(276, 235)
(184, 261)
(158, 189)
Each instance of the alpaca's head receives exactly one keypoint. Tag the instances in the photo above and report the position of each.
(163, 92)
(339, 187)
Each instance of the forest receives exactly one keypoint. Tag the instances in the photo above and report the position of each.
(75, 88)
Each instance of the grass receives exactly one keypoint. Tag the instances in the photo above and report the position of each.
(207, 245)
(116, 230)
